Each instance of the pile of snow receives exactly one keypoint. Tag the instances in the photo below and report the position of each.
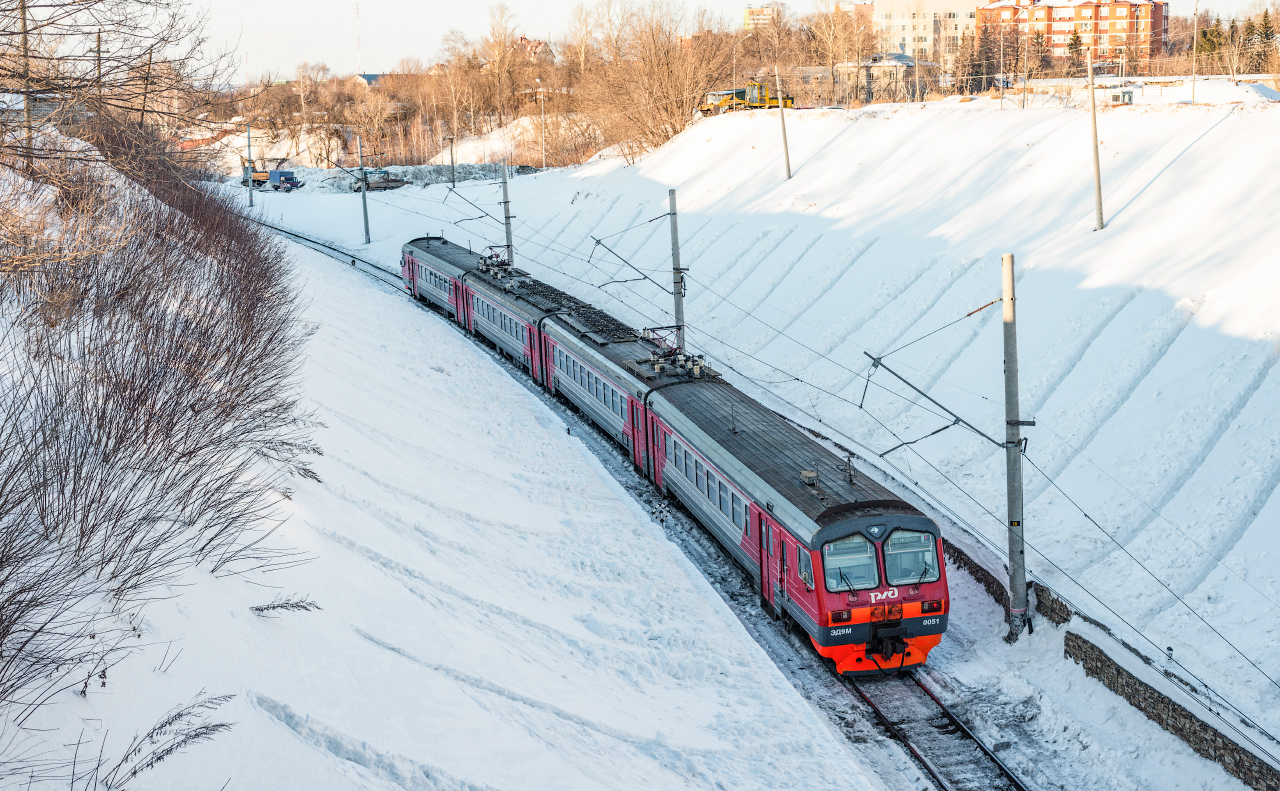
(497, 613)
(500, 144)
(1148, 350)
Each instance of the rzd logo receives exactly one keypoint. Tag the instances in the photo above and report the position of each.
(892, 593)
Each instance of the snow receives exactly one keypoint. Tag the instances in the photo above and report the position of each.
(497, 611)
(1147, 350)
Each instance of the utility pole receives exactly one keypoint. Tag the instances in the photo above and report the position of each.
(1001, 65)
(786, 153)
(146, 87)
(1097, 167)
(453, 173)
(248, 141)
(506, 211)
(1026, 68)
(677, 273)
(1195, 46)
(364, 187)
(97, 51)
(26, 84)
(1013, 424)
(542, 99)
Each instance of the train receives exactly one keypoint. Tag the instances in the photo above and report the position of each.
(857, 568)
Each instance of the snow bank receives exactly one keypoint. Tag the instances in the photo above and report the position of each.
(497, 612)
(1148, 350)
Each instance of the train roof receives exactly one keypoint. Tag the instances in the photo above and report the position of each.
(761, 440)
(776, 451)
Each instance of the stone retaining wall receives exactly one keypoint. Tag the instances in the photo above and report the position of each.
(1175, 719)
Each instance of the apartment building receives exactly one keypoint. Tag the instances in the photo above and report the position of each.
(1138, 29)
(929, 30)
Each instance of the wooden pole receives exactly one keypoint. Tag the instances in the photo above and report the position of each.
(786, 152)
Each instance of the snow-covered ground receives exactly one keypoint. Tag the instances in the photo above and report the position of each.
(498, 613)
(1147, 350)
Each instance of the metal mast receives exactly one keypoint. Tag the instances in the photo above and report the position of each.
(677, 273)
(506, 211)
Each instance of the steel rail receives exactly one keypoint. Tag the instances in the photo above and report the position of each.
(1008, 773)
(897, 733)
(387, 277)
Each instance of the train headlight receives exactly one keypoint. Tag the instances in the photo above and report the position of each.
(877, 613)
(930, 606)
(895, 612)
(839, 616)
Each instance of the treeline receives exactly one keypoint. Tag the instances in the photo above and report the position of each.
(627, 73)
(630, 74)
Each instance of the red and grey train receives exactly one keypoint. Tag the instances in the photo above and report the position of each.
(859, 569)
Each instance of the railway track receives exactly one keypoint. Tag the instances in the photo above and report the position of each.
(953, 756)
(937, 741)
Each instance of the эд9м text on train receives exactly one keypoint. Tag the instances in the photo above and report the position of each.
(856, 567)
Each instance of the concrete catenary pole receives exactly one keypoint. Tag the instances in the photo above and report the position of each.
(1195, 46)
(1013, 458)
(506, 212)
(1097, 166)
(453, 171)
(542, 101)
(248, 142)
(786, 152)
(677, 273)
(364, 187)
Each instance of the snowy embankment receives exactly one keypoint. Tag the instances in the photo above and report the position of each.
(497, 611)
(1147, 350)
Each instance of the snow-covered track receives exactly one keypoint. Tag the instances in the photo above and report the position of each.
(942, 744)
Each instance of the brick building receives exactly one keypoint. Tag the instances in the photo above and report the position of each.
(1138, 29)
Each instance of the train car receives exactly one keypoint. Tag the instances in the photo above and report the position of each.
(854, 566)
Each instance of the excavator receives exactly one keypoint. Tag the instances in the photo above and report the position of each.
(755, 96)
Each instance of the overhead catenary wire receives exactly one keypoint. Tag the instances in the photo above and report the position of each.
(941, 504)
(902, 443)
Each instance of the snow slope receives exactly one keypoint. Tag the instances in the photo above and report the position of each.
(498, 613)
(1148, 350)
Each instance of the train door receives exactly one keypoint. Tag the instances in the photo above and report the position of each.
(413, 278)
(455, 301)
(635, 430)
(772, 559)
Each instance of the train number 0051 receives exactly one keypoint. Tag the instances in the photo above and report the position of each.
(930, 621)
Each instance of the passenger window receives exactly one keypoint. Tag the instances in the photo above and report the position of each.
(724, 499)
(737, 510)
(805, 565)
(679, 460)
(671, 451)
(688, 465)
(701, 480)
(710, 489)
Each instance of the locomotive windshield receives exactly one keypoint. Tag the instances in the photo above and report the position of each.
(910, 558)
(849, 564)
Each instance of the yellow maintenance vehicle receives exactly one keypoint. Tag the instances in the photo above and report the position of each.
(755, 96)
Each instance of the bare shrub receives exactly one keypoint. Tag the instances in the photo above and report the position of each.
(286, 604)
(150, 341)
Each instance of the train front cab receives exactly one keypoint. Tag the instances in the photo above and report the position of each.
(882, 588)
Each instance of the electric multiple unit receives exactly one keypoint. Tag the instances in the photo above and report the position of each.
(859, 569)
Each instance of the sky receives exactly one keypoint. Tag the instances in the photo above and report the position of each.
(276, 35)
